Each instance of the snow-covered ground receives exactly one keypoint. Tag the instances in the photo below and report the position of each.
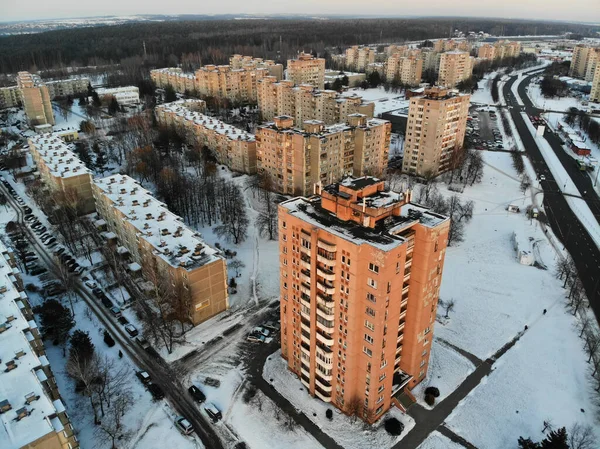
(447, 370)
(438, 441)
(483, 94)
(348, 432)
(384, 101)
(555, 104)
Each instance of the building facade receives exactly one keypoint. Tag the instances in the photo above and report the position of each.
(358, 58)
(595, 93)
(580, 61)
(307, 69)
(32, 413)
(128, 95)
(455, 66)
(10, 97)
(230, 145)
(163, 245)
(237, 62)
(298, 159)
(304, 102)
(62, 171)
(36, 99)
(435, 128)
(71, 87)
(406, 69)
(360, 271)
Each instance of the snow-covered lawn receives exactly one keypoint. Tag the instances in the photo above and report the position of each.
(555, 104)
(436, 440)
(346, 431)
(447, 370)
(483, 94)
(543, 377)
(384, 101)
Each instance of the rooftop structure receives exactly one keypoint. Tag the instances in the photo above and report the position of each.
(360, 269)
(32, 414)
(231, 146)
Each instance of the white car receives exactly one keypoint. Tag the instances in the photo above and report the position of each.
(542, 178)
(184, 425)
(262, 331)
(91, 284)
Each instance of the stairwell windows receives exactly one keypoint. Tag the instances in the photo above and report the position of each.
(372, 282)
(371, 297)
(368, 339)
(369, 325)
(374, 268)
(367, 351)
(422, 363)
(370, 311)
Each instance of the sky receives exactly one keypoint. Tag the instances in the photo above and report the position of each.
(573, 10)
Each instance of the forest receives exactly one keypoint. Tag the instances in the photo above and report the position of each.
(204, 42)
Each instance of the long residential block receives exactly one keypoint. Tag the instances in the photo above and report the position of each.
(361, 270)
(163, 245)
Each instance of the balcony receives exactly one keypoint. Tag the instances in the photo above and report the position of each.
(402, 313)
(408, 263)
(398, 349)
(305, 250)
(305, 263)
(305, 383)
(305, 314)
(322, 397)
(325, 327)
(325, 300)
(400, 338)
(400, 380)
(305, 301)
(304, 370)
(305, 348)
(404, 301)
(326, 261)
(407, 277)
(405, 290)
(330, 290)
(401, 326)
(324, 339)
(305, 328)
(327, 315)
(322, 381)
(305, 289)
(326, 274)
(304, 277)
(326, 246)
(305, 339)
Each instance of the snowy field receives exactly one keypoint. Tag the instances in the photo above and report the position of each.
(554, 104)
(438, 441)
(483, 94)
(447, 370)
(346, 431)
(384, 101)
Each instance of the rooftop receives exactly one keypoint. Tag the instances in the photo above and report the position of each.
(172, 240)
(61, 162)
(23, 382)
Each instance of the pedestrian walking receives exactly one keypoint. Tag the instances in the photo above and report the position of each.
(545, 311)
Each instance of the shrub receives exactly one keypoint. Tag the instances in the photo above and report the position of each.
(429, 399)
(329, 413)
(31, 287)
(108, 339)
(249, 394)
(393, 426)
(433, 391)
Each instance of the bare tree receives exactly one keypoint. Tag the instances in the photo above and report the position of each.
(565, 268)
(576, 295)
(583, 324)
(447, 305)
(582, 437)
(592, 344)
(266, 221)
(84, 370)
(67, 281)
(353, 407)
(111, 427)
(237, 265)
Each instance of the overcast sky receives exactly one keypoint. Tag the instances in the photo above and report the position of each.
(576, 10)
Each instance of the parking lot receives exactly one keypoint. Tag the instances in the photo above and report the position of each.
(483, 132)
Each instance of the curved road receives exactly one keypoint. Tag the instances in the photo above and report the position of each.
(564, 222)
(160, 373)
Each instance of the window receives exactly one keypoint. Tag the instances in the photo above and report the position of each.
(379, 399)
(427, 330)
(368, 338)
(374, 268)
(371, 297)
(367, 351)
(422, 363)
(424, 353)
(285, 285)
(369, 325)
(372, 282)
(380, 389)
(284, 237)
(370, 311)
(381, 377)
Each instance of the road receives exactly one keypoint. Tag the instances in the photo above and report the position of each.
(175, 393)
(562, 219)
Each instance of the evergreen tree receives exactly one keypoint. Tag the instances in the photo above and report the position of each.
(81, 345)
(57, 321)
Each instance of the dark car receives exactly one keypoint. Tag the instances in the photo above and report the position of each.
(123, 320)
(38, 270)
(97, 292)
(156, 392)
(107, 302)
(197, 394)
(27, 209)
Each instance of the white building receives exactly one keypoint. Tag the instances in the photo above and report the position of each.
(124, 95)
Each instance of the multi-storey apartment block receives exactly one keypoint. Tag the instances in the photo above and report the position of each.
(395, 49)
(62, 171)
(230, 145)
(357, 58)
(595, 93)
(248, 62)
(36, 99)
(297, 159)
(71, 87)
(455, 66)
(304, 102)
(163, 245)
(583, 57)
(443, 45)
(32, 413)
(487, 51)
(10, 97)
(307, 69)
(435, 128)
(361, 271)
(406, 69)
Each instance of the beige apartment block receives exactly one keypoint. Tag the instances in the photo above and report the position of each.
(593, 58)
(62, 171)
(395, 49)
(10, 97)
(248, 62)
(435, 128)
(487, 51)
(307, 69)
(297, 159)
(583, 62)
(431, 60)
(360, 273)
(357, 58)
(406, 69)
(595, 93)
(163, 245)
(32, 413)
(36, 99)
(443, 45)
(304, 102)
(230, 145)
(71, 87)
(455, 66)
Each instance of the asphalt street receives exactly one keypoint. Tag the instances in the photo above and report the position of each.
(563, 221)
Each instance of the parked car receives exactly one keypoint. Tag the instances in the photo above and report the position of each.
(37, 271)
(123, 320)
(212, 411)
(262, 331)
(143, 376)
(91, 284)
(197, 394)
(27, 209)
(156, 392)
(212, 382)
(107, 302)
(97, 292)
(131, 330)
(115, 311)
(256, 338)
(184, 426)
(271, 325)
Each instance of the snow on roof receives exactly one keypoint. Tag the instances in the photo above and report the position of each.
(181, 109)
(23, 381)
(60, 161)
(117, 90)
(172, 240)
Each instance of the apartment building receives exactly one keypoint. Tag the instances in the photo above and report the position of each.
(71, 87)
(360, 273)
(487, 51)
(163, 245)
(248, 62)
(443, 45)
(406, 69)
(128, 95)
(32, 413)
(357, 58)
(230, 145)
(395, 49)
(296, 159)
(455, 66)
(580, 60)
(36, 99)
(595, 93)
(62, 171)
(592, 63)
(307, 69)
(304, 102)
(435, 128)
(431, 60)
(10, 97)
